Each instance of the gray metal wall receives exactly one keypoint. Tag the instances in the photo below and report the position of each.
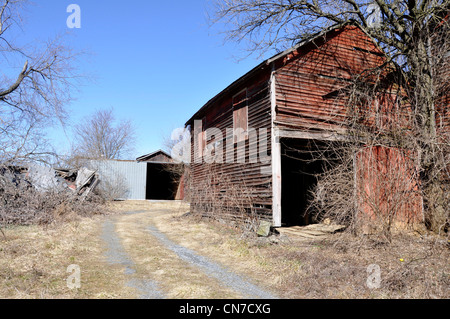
(125, 180)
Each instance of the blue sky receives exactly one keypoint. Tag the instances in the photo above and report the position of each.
(154, 62)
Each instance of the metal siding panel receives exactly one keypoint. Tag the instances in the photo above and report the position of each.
(133, 175)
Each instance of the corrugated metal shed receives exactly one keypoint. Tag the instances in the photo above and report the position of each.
(126, 179)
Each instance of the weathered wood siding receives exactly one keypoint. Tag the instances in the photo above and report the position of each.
(157, 157)
(306, 84)
(309, 79)
(160, 158)
(386, 184)
(241, 189)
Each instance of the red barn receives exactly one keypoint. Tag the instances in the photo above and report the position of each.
(241, 139)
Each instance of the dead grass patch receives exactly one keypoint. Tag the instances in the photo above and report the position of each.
(141, 205)
(176, 278)
(34, 261)
(412, 265)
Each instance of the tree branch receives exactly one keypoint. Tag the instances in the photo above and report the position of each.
(13, 87)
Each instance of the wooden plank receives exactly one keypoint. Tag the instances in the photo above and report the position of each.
(297, 233)
(314, 231)
(325, 228)
(324, 136)
(276, 158)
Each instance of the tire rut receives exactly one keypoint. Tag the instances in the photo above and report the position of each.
(212, 269)
(149, 289)
(116, 255)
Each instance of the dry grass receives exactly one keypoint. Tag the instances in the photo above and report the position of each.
(217, 242)
(154, 261)
(34, 259)
(412, 266)
(175, 207)
(337, 268)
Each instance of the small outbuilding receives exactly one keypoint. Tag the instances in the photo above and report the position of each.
(163, 182)
(149, 177)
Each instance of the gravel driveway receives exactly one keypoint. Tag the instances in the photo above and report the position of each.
(116, 254)
(150, 289)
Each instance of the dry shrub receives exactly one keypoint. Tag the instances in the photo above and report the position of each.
(411, 267)
(22, 204)
(113, 187)
(230, 201)
(393, 160)
(377, 194)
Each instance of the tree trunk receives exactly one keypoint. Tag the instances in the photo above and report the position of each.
(430, 182)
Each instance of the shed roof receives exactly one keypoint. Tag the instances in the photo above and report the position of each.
(150, 156)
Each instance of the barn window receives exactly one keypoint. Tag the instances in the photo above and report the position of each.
(240, 116)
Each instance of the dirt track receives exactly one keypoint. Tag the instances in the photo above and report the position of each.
(157, 266)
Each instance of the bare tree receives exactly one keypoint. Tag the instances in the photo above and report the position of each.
(37, 81)
(414, 36)
(35, 87)
(101, 136)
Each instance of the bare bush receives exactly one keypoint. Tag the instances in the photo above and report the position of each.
(22, 205)
(377, 178)
(112, 187)
(220, 197)
(334, 193)
(371, 190)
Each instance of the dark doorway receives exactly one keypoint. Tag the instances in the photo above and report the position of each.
(299, 169)
(160, 184)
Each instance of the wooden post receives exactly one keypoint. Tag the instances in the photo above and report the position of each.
(276, 159)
